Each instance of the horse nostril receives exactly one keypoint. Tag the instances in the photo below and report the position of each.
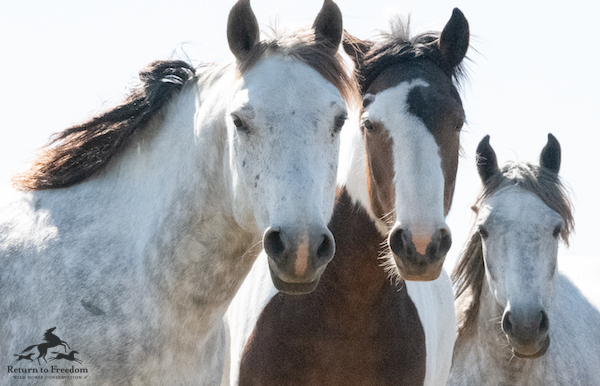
(506, 323)
(544, 323)
(445, 240)
(326, 248)
(397, 241)
(440, 242)
(273, 243)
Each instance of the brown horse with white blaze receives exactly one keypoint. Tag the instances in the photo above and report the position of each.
(395, 187)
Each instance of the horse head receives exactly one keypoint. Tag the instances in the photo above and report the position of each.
(411, 120)
(283, 124)
(520, 220)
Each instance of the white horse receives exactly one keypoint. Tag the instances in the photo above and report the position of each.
(132, 232)
(521, 322)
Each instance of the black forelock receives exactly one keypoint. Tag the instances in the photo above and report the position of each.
(397, 49)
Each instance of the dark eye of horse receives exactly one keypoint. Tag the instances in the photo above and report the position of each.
(483, 232)
(557, 231)
(368, 125)
(459, 125)
(239, 124)
(339, 122)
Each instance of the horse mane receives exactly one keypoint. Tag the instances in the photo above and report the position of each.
(78, 152)
(468, 275)
(306, 48)
(73, 155)
(396, 46)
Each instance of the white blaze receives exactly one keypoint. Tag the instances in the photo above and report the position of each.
(418, 176)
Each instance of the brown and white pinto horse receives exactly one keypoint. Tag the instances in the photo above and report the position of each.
(359, 327)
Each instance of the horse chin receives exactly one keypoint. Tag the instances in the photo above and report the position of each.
(419, 272)
(289, 288)
(538, 354)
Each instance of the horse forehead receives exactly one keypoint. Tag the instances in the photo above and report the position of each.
(517, 209)
(393, 100)
(412, 70)
(277, 80)
(440, 99)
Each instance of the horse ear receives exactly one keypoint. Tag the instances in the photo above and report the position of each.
(242, 29)
(550, 157)
(328, 25)
(487, 163)
(454, 39)
(356, 48)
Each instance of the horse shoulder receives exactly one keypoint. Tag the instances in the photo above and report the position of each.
(435, 304)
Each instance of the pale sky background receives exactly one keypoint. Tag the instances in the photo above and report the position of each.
(536, 69)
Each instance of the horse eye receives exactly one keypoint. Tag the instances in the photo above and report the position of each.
(459, 125)
(239, 124)
(368, 125)
(483, 232)
(340, 120)
(557, 231)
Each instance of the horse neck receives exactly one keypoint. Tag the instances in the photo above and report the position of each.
(167, 200)
(352, 169)
(175, 170)
(356, 270)
(355, 273)
(199, 226)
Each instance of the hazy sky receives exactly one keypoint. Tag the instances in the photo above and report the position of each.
(534, 70)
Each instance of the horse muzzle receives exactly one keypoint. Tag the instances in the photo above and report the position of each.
(419, 257)
(527, 333)
(297, 260)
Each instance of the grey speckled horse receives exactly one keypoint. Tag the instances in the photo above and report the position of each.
(132, 232)
(520, 321)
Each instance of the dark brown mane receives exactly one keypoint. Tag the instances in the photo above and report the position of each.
(397, 46)
(469, 273)
(80, 151)
(302, 46)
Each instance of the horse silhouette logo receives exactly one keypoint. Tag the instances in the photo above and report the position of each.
(70, 357)
(23, 357)
(50, 340)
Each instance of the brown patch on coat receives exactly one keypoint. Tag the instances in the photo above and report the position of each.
(380, 172)
(356, 328)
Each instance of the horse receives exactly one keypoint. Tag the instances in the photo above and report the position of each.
(397, 173)
(521, 322)
(50, 340)
(69, 357)
(134, 230)
(23, 357)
